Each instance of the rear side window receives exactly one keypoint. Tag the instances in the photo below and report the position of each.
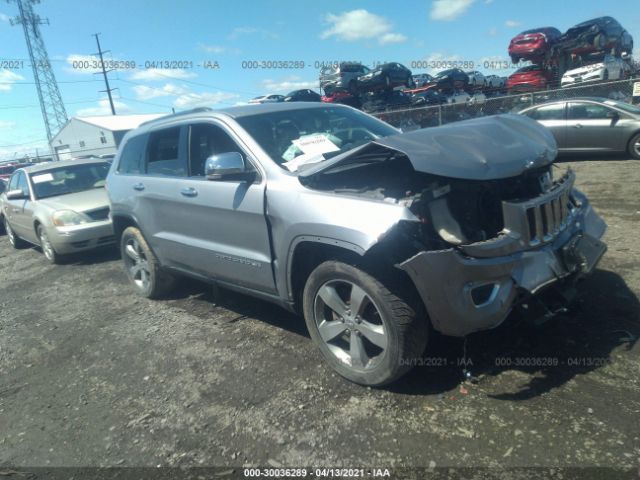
(164, 156)
(132, 157)
(548, 112)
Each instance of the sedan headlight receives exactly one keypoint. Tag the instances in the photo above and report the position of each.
(66, 218)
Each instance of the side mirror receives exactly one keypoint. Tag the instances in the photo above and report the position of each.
(613, 115)
(17, 195)
(219, 166)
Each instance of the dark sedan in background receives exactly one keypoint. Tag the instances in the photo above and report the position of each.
(591, 124)
(602, 33)
(304, 95)
(385, 76)
(452, 79)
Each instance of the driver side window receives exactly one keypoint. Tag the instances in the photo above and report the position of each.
(206, 140)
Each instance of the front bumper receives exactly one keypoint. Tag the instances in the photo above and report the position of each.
(466, 289)
(82, 237)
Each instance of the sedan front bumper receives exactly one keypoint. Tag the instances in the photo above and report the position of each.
(465, 294)
(81, 237)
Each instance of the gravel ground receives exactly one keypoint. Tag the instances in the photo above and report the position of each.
(92, 375)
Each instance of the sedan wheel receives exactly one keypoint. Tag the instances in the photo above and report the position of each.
(634, 146)
(366, 333)
(48, 250)
(15, 241)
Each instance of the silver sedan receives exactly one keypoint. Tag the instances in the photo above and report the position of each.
(590, 124)
(62, 207)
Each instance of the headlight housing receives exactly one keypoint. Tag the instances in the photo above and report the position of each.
(66, 218)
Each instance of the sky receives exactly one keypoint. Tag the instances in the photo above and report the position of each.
(222, 52)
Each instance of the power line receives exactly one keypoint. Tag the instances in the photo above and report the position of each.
(104, 74)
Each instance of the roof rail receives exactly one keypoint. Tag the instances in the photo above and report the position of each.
(179, 114)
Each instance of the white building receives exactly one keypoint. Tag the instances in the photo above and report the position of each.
(98, 135)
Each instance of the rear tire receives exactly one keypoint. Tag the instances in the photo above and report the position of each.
(634, 147)
(599, 41)
(142, 266)
(15, 241)
(375, 344)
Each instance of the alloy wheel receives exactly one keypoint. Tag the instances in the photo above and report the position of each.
(46, 246)
(350, 324)
(137, 264)
(636, 147)
(10, 234)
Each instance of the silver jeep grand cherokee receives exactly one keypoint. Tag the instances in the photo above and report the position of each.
(375, 236)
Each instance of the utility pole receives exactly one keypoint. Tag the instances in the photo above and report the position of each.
(51, 105)
(104, 74)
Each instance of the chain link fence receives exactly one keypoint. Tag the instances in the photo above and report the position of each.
(480, 105)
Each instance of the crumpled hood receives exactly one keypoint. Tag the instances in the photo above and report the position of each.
(487, 148)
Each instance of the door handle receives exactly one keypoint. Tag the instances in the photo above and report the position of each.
(189, 192)
(577, 125)
(138, 186)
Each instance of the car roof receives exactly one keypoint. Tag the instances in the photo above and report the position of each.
(41, 167)
(240, 111)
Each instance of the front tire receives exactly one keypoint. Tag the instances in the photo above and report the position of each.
(142, 266)
(46, 246)
(15, 241)
(634, 147)
(366, 333)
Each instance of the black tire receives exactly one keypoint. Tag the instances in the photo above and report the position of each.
(387, 81)
(142, 266)
(634, 146)
(46, 246)
(410, 83)
(15, 241)
(383, 313)
(353, 87)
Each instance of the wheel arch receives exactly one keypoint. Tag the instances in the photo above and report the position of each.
(306, 253)
(121, 222)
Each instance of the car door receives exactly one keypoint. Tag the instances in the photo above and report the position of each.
(552, 116)
(219, 228)
(590, 126)
(19, 211)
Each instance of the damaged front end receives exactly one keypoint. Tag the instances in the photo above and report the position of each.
(552, 237)
(488, 230)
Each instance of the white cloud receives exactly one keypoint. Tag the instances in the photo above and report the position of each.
(288, 84)
(103, 108)
(392, 38)
(4, 18)
(512, 23)
(218, 49)
(159, 74)
(6, 124)
(192, 100)
(242, 31)
(360, 25)
(7, 78)
(144, 92)
(447, 10)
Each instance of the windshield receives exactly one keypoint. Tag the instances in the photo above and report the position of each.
(624, 106)
(70, 179)
(295, 138)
